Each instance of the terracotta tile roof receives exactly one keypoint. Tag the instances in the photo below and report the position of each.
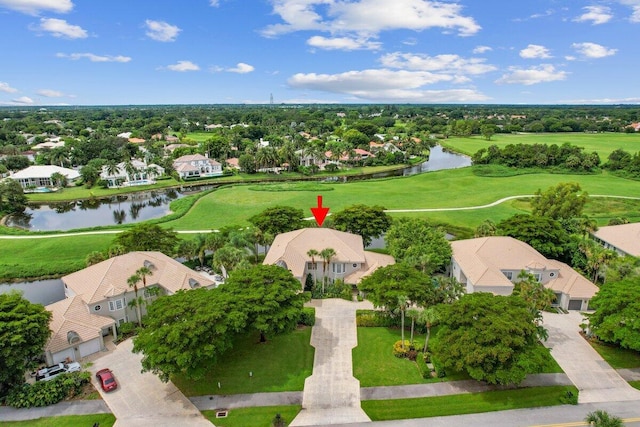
(72, 314)
(109, 278)
(483, 259)
(625, 237)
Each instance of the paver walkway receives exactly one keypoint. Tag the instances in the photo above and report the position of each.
(331, 394)
(589, 372)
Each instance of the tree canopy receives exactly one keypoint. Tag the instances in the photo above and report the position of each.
(492, 338)
(148, 237)
(12, 198)
(564, 201)
(278, 219)
(418, 243)
(542, 233)
(24, 330)
(367, 221)
(617, 316)
(387, 284)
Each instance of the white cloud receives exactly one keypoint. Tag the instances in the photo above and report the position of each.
(183, 66)
(481, 49)
(60, 28)
(593, 50)
(635, 9)
(50, 93)
(34, 7)
(161, 31)
(6, 87)
(601, 101)
(595, 14)
(241, 68)
(94, 58)
(23, 100)
(343, 43)
(534, 75)
(368, 17)
(214, 3)
(535, 51)
(449, 63)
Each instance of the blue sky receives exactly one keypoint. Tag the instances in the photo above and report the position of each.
(97, 52)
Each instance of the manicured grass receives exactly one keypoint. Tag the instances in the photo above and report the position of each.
(635, 384)
(105, 420)
(473, 403)
(602, 143)
(618, 358)
(260, 416)
(280, 364)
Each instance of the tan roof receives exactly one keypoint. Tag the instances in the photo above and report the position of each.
(292, 248)
(373, 261)
(483, 259)
(625, 237)
(72, 314)
(109, 278)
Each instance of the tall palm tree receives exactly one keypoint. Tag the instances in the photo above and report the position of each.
(133, 281)
(601, 418)
(403, 302)
(413, 313)
(313, 253)
(326, 255)
(429, 316)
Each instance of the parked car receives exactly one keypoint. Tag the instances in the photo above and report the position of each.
(50, 372)
(106, 379)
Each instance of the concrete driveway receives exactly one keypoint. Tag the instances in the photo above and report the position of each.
(142, 399)
(594, 378)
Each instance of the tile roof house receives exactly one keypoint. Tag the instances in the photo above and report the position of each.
(492, 264)
(350, 263)
(40, 176)
(196, 166)
(140, 174)
(75, 331)
(623, 238)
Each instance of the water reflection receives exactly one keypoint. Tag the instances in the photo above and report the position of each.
(120, 209)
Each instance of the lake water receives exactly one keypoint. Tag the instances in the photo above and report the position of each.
(439, 160)
(38, 292)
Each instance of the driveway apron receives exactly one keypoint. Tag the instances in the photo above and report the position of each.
(594, 378)
(141, 399)
(331, 394)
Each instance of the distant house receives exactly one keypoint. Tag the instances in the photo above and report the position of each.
(172, 147)
(635, 126)
(138, 173)
(196, 166)
(623, 238)
(305, 159)
(350, 263)
(492, 264)
(40, 176)
(357, 155)
(171, 139)
(137, 140)
(233, 163)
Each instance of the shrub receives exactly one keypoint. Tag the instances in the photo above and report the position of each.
(127, 328)
(376, 319)
(399, 350)
(421, 363)
(569, 398)
(412, 354)
(307, 316)
(440, 372)
(45, 393)
(331, 167)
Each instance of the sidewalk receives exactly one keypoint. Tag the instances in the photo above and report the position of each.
(76, 407)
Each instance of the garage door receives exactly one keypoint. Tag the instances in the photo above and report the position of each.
(575, 304)
(61, 356)
(89, 347)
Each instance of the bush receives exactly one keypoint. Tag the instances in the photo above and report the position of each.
(569, 398)
(399, 350)
(412, 354)
(376, 319)
(440, 372)
(421, 363)
(337, 289)
(127, 328)
(45, 393)
(308, 316)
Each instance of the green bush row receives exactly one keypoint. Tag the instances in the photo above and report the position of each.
(376, 319)
(45, 393)
(308, 316)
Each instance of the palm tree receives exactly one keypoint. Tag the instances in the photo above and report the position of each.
(597, 256)
(601, 418)
(403, 301)
(326, 255)
(313, 253)
(132, 281)
(429, 316)
(413, 313)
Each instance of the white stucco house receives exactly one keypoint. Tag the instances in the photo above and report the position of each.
(40, 176)
(350, 263)
(196, 166)
(492, 264)
(623, 238)
(141, 173)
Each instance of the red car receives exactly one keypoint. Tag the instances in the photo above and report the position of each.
(107, 380)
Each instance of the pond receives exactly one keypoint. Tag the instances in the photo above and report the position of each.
(38, 292)
(439, 159)
(123, 209)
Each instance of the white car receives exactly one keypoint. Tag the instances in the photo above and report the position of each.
(50, 372)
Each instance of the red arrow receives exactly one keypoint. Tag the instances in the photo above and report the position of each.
(319, 213)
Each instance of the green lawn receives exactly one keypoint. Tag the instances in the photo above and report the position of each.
(105, 420)
(473, 403)
(281, 364)
(602, 143)
(260, 416)
(618, 358)
(635, 384)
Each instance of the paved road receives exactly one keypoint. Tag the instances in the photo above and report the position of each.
(331, 394)
(594, 378)
(142, 399)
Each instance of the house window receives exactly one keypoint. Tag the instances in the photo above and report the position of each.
(311, 266)
(538, 276)
(97, 308)
(116, 304)
(508, 274)
(122, 320)
(337, 268)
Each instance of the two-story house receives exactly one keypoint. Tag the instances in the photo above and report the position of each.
(128, 174)
(196, 166)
